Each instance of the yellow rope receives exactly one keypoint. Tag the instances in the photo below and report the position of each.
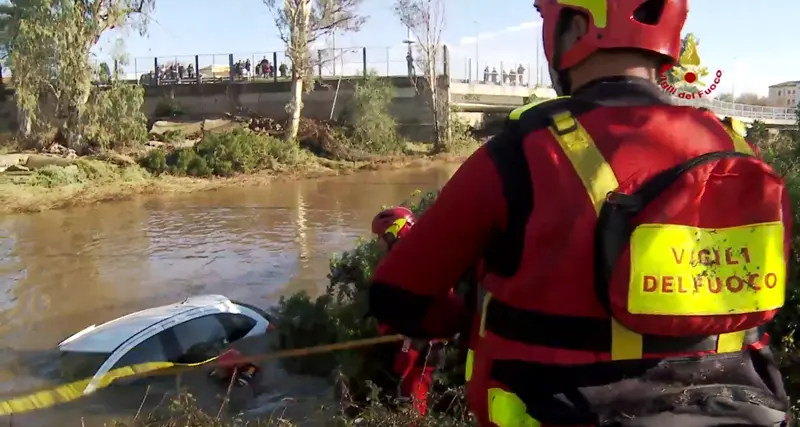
(75, 390)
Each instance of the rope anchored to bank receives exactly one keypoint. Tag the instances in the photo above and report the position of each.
(77, 389)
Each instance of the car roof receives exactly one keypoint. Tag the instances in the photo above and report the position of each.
(108, 336)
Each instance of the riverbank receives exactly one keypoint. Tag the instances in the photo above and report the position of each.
(93, 181)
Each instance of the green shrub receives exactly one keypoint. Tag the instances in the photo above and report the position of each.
(114, 118)
(375, 130)
(223, 154)
(155, 161)
(53, 176)
(84, 171)
(174, 136)
(460, 139)
(97, 171)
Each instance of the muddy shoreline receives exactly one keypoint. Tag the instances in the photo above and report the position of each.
(33, 199)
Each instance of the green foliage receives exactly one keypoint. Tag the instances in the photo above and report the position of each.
(758, 133)
(155, 161)
(460, 139)
(114, 117)
(375, 129)
(104, 73)
(50, 57)
(174, 136)
(84, 172)
(223, 154)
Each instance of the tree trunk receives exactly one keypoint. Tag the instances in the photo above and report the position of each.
(299, 43)
(73, 128)
(24, 123)
(438, 142)
(295, 107)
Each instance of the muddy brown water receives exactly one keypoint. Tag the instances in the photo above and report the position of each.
(61, 271)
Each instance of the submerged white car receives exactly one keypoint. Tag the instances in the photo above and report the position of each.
(186, 332)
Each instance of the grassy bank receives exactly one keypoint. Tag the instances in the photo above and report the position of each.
(91, 180)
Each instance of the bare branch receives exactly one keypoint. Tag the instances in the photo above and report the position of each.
(426, 21)
(300, 23)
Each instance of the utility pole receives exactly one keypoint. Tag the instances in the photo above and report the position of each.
(477, 50)
(333, 35)
(537, 62)
(409, 55)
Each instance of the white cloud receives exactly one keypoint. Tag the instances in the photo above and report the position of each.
(523, 26)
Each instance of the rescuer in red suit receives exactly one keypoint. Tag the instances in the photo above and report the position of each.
(230, 367)
(577, 203)
(412, 361)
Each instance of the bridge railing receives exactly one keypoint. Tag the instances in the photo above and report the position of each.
(733, 109)
(261, 66)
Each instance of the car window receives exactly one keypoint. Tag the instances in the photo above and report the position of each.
(200, 339)
(77, 365)
(236, 325)
(149, 350)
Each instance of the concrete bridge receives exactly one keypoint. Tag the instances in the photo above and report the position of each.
(480, 98)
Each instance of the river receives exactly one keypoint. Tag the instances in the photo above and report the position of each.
(63, 270)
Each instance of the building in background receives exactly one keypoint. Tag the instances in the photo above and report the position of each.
(784, 94)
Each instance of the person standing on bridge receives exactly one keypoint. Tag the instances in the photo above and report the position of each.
(629, 279)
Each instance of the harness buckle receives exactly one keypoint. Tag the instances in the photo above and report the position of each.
(564, 123)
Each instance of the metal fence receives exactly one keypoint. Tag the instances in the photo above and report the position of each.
(330, 63)
(755, 112)
(265, 66)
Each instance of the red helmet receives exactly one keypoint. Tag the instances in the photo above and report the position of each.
(395, 221)
(652, 25)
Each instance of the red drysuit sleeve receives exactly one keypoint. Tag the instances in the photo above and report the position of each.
(410, 290)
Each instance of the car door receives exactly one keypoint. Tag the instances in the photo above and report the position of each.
(200, 339)
(152, 349)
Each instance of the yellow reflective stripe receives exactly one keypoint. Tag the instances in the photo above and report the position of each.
(75, 390)
(482, 329)
(396, 226)
(730, 343)
(517, 113)
(737, 131)
(468, 367)
(739, 143)
(625, 344)
(598, 179)
(596, 174)
(506, 409)
(597, 9)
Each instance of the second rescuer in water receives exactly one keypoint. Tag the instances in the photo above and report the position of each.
(634, 250)
(413, 361)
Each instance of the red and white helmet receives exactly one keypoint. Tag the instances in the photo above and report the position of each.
(393, 223)
(651, 25)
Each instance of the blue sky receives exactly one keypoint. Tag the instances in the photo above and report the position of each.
(750, 44)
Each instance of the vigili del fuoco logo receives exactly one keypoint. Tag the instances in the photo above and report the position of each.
(688, 78)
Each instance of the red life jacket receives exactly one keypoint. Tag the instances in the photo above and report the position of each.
(642, 280)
